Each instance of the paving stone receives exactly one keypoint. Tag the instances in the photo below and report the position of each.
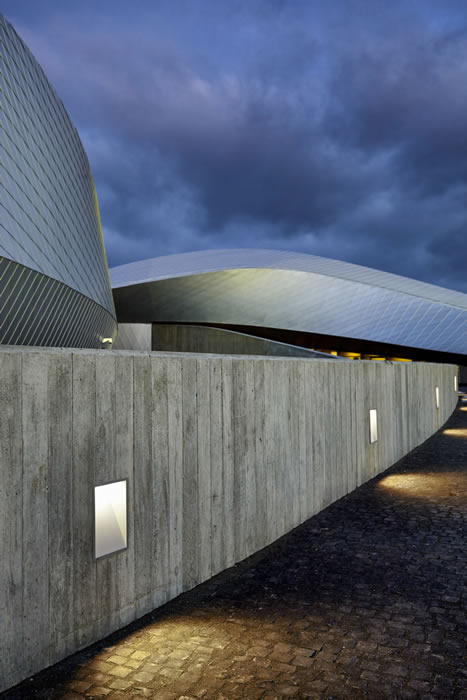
(98, 679)
(120, 685)
(140, 655)
(175, 663)
(303, 661)
(283, 668)
(100, 666)
(283, 658)
(169, 672)
(80, 686)
(143, 677)
(97, 691)
(117, 659)
(257, 651)
(120, 671)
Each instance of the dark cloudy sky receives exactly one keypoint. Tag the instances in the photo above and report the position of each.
(333, 127)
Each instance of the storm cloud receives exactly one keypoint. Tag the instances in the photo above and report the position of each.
(338, 131)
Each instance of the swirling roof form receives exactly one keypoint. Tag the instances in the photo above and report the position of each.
(294, 291)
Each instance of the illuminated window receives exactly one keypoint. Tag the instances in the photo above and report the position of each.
(110, 522)
(437, 396)
(373, 425)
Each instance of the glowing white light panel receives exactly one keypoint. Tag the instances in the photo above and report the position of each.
(437, 396)
(110, 518)
(373, 425)
(455, 382)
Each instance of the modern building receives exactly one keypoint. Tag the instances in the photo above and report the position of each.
(127, 478)
(54, 283)
(55, 288)
(292, 298)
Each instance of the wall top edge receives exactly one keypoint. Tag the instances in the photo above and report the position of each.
(34, 350)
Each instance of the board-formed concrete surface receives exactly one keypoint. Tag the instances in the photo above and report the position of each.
(222, 455)
(365, 600)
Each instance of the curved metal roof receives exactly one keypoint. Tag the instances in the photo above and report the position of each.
(294, 291)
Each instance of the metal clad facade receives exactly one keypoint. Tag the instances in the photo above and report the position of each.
(49, 219)
(292, 291)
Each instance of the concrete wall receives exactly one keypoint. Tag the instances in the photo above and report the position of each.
(190, 338)
(223, 456)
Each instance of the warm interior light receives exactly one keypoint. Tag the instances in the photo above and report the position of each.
(373, 425)
(437, 396)
(110, 505)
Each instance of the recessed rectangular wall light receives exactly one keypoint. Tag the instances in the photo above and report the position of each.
(437, 396)
(455, 382)
(110, 518)
(373, 425)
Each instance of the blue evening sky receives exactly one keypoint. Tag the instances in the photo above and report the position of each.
(333, 128)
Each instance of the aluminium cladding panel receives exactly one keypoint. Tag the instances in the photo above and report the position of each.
(38, 310)
(49, 216)
(198, 262)
(298, 300)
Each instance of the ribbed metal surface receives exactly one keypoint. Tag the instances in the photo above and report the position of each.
(38, 310)
(291, 291)
(49, 217)
(211, 260)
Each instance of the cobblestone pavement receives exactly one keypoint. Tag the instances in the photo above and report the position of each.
(365, 600)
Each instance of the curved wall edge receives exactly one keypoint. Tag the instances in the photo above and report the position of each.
(192, 338)
(223, 455)
(38, 310)
(174, 337)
